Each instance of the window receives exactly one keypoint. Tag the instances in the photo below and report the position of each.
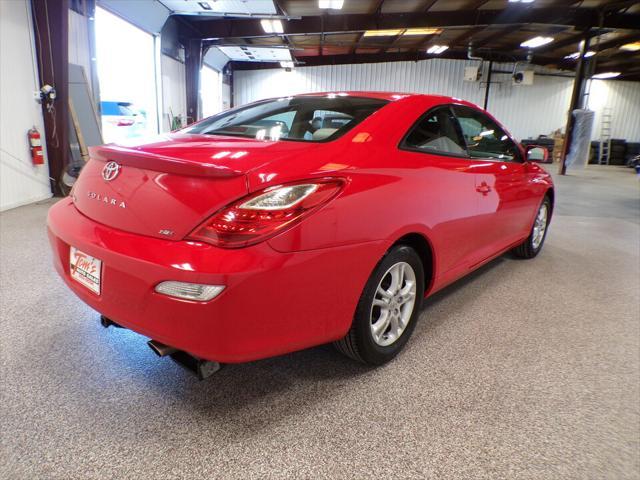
(304, 118)
(483, 136)
(436, 132)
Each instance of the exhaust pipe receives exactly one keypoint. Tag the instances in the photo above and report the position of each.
(202, 368)
(107, 322)
(161, 349)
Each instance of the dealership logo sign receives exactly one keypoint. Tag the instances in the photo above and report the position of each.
(110, 171)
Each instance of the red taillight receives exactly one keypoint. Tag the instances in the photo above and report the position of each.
(263, 214)
(124, 122)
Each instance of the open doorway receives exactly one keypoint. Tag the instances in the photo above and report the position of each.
(210, 91)
(127, 75)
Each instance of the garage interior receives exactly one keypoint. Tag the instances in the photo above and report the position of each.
(521, 370)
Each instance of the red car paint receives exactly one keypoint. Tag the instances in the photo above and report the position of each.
(299, 288)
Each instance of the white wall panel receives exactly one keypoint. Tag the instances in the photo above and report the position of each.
(623, 98)
(79, 52)
(173, 91)
(20, 181)
(527, 111)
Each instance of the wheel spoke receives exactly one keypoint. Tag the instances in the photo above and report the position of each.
(380, 303)
(395, 326)
(384, 293)
(381, 325)
(409, 290)
(397, 276)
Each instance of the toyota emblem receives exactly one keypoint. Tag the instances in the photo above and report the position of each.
(110, 171)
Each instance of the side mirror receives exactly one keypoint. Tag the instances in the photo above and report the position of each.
(536, 153)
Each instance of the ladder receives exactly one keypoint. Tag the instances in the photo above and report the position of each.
(605, 137)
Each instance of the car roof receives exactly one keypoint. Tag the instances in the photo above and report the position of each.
(390, 96)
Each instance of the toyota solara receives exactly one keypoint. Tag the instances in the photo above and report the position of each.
(297, 221)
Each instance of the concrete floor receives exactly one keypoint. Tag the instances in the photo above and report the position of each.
(527, 369)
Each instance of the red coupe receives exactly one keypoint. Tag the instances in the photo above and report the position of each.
(297, 221)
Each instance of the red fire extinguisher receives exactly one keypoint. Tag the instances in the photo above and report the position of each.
(35, 145)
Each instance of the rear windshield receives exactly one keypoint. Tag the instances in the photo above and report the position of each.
(310, 119)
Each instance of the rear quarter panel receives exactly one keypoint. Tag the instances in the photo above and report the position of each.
(385, 196)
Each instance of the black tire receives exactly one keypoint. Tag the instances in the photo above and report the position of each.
(528, 249)
(359, 343)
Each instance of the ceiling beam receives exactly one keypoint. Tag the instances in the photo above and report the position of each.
(501, 33)
(353, 23)
(428, 5)
(617, 42)
(458, 54)
(574, 40)
(463, 39)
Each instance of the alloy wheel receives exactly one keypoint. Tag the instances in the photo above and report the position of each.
(393, 304)
(540, 226)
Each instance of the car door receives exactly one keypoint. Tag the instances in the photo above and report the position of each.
(505, 197)
(434, 150)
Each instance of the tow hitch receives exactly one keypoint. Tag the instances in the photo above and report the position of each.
(202, 368)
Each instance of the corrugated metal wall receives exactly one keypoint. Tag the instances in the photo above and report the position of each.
(623, 98)
(527, 111)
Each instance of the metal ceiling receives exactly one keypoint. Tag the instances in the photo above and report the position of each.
(495, 29)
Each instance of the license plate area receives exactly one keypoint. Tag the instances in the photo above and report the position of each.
(85, 269)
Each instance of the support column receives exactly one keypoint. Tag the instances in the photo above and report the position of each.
(486, 91)
(576, 102)
(193, 64)
(51, 31)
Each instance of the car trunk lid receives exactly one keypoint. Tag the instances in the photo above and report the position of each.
(166, 188)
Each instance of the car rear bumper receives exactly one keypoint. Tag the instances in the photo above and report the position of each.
(273, 302)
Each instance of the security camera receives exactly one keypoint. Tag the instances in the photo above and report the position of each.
(523, 77)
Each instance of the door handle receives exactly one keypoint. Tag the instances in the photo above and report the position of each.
(483, 188)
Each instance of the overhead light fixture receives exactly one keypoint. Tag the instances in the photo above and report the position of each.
(390, 32)
(521, 1)
(536, 42)
(287, 64)
(604, 76)
(271, 26)
(631, 47)
(422, 31)
(393, 32)
(575, 56)
(437, 49)
(332, 4)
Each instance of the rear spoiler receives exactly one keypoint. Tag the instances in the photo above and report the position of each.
(160, 163)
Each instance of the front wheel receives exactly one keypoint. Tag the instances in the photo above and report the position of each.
(533, 244)
(388, 308)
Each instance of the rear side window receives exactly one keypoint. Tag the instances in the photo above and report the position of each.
(304, 118)
(436, 132)
(483, 136)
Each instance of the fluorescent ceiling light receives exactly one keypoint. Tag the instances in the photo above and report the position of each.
(575, 56)
(272, 26)
(422, 31)
(287, 64)
(536, 42)
(437, 49)
(332, 4)
(393, 32)
(631, 47)
(602, 76)
(521, 1)
(383, 33)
